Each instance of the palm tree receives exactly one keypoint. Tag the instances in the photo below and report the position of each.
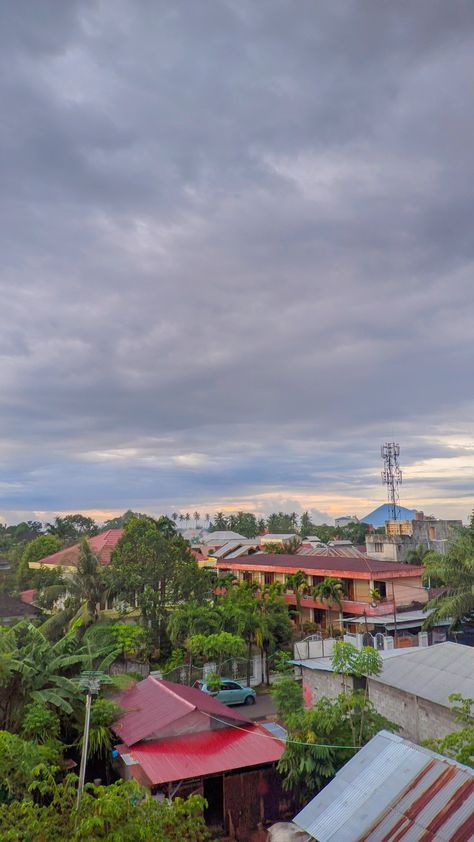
(455, 572)
(298, 584)
(207, 518)
(175, 516)
(329, 591)
(197, 518)
(417, 554)
(187, 517)
(181, 517)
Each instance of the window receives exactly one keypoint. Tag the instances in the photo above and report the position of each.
(432, 533)
(378, 547)
(381, 587)
(348, 588)
(247, 576)
(268, 578)
(317, 580)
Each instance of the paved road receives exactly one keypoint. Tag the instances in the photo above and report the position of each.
(262, 708)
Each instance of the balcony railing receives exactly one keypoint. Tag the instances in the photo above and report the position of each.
(349, 606)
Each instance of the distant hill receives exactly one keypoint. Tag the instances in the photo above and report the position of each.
(379, 516)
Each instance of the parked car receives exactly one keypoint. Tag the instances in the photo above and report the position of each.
(230, 693)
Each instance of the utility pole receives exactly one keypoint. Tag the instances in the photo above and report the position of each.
(395, 632)
(90, 681)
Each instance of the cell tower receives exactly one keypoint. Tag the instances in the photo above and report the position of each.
(392, 475)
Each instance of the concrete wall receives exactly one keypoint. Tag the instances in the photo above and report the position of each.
(322, 683)
(419, 719)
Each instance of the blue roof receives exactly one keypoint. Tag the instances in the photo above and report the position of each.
(379, 516)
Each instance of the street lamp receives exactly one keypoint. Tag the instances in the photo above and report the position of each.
(89, 681)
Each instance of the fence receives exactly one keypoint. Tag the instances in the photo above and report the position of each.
(235, 668)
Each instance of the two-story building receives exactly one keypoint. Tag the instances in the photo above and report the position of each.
(398, 586)
(401, 536)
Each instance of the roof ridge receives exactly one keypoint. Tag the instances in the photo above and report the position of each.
(161, 682)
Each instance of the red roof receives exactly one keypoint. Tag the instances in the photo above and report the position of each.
(204, 753)
(28, 596)
(359, 567)
(101, 545)
(154, 705)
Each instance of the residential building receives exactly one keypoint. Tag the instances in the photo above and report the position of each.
(393, 790)
(12, 609)
(412, 690)
(401, 536)
(177, 740)
(398, 585)
(102, 546)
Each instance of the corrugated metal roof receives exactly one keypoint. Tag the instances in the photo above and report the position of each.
(392, 791)
(432, 672)
(153, 705)
(205, 753)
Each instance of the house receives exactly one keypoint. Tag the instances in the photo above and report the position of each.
(177, 740)
(397, 585)
(102, 546)
(412, 690)
(401, 536)
(393, 790)
(12, 609)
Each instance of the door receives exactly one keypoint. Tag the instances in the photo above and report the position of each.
(214, 795)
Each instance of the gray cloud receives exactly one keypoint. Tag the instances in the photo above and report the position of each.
(236, 251)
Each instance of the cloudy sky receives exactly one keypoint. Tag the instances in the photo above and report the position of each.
(236, 254)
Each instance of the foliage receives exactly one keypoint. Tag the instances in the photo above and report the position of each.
(41, 547)
(34, 670)
(21, 764)
(132, 641)
(280, 522)
(244, 523)
(216, 647)
(104, 713)
(354, 532)
(195, 618)
(288, 547)
(73, 527)
(458, 745)
(322, 739)
(329, 591)
(281, 663)
(417, 555)
(156, 570)
(288, 696)
(298, 583)
(40, 724)
(454, 571)
(121, 812)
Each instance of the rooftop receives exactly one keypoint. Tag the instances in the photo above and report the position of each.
(324, 564)
(154, 705)
(12, 607)
(393, 789)
(102, 546)
(203, 753)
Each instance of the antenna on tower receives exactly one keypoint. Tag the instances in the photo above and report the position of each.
(392, 475)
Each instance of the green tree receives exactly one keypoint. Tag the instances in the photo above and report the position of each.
(23, 762)
(454, 571)
(297, 583)
(330, 592)
(321, 740)
(121, 812)
(156, 572)
(354, 532)
(459, 745)
(307, 527)
(280, 522)
(219, 524)
(288, 697)
(417, 555)
(216, 647)
(73, 527)
(194, 618)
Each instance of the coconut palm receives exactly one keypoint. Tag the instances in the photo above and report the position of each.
(297, 583)
(330, 592)
(455, 572)
(196, 518)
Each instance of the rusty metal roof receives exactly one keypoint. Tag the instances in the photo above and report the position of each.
(153, 706)
(202, 753)
(394, 791)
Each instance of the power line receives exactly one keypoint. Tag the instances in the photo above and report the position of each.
(270, 737)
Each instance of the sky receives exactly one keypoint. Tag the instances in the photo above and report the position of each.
(236, 255)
